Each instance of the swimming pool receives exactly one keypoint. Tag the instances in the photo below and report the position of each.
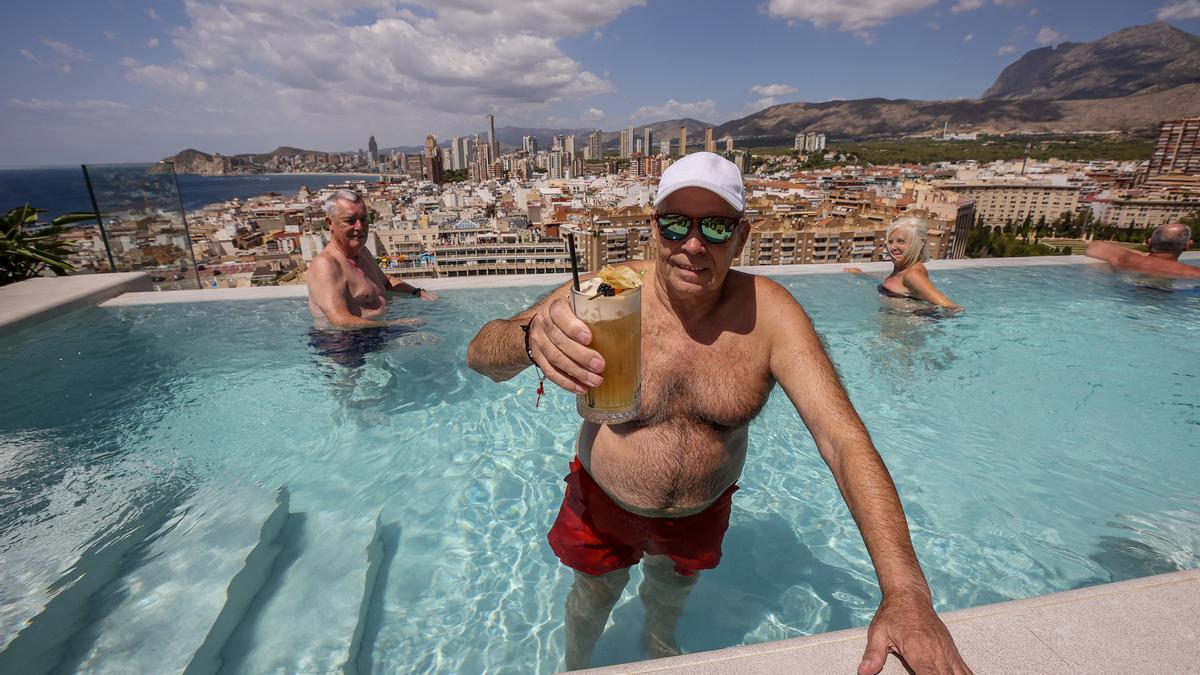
(1044, 440)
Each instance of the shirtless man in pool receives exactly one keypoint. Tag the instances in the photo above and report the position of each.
(347, 292)
(346, 288)
(1166, 244)
(714, 344)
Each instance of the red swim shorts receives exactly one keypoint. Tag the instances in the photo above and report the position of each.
(596, 536)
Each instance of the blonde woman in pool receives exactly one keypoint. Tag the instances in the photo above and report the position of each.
(907, 241)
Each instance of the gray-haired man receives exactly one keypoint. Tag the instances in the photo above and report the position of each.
(1166, 243)
(657, 490)
(346, 288)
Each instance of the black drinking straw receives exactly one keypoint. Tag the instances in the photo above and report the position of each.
(574, 261)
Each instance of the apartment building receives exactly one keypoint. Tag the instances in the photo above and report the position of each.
(1142, 208)
(772, 243)
(1177, 148)
(406, 237)
(500, 257)
(604, 244)
(1012, 200)
(956, 213)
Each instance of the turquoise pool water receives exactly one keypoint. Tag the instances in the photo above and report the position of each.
(1045, 440)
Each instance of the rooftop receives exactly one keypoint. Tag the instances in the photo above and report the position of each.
(1141, 625)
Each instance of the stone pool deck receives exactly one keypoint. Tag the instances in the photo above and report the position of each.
(1148, 625)
(32, 301)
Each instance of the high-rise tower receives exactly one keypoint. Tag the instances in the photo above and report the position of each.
(432, 162)
(627, 142)
(492, 142)
(682, 140)
(1177, 148)
(374, 149)
(593, 146)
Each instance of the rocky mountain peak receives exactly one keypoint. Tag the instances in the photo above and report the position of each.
(1136, 60)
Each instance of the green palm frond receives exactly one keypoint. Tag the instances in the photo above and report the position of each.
(24, 254)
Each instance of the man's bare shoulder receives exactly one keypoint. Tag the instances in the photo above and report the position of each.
(323, 268)
(766, 288)
(1166, 268)
(776, 305)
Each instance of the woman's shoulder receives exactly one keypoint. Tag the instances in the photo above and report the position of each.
(917, 269)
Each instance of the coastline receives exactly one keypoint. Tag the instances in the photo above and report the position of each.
(290, 173)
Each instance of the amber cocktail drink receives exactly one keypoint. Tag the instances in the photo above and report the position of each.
(616, 324)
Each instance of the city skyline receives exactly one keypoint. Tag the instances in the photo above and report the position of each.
(107, 82)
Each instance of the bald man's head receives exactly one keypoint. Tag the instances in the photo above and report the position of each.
(1170, 238)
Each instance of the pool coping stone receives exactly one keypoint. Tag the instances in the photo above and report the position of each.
(1144, 625)
(33, 301)
(519, 280)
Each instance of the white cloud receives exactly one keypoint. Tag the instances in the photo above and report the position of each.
(32, 58)
(852, 16)
(1048, 35)
(597, 35)
(1179, 10)
(1033, 11)
(765, 90)
(558, 18)
(62, 57)
(110, 35)
(1006, 49)
(933, 25)
(152, 42)
(593, 115)
(968, 37)
(672, 109)
(129, 62)
(82, 108)
(153, 14)
(965, 6)
(1009, 3)
(67, 52)
(317, 69)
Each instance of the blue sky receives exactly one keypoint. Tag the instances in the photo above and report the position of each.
(127, 80)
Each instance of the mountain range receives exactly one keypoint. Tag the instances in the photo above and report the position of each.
(1126, 81)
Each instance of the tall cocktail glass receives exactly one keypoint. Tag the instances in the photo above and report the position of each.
(616, 325)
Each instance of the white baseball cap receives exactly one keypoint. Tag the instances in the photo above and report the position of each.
(706, 170)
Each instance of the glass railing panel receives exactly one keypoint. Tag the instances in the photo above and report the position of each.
(142, 221)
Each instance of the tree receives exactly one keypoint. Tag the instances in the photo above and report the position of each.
(24, 255)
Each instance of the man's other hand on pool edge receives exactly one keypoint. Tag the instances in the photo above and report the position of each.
(906, 625)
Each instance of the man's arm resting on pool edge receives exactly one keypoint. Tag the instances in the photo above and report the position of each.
(402, 287)
(1110, 253)
(905, 621)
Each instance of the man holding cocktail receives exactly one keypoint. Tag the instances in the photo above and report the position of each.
(656, 484)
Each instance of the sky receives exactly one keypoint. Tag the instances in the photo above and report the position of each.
(128, 80)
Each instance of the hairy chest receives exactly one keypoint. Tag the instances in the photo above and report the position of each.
(721, 382)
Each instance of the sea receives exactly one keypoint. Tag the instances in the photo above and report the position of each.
(62, 189)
